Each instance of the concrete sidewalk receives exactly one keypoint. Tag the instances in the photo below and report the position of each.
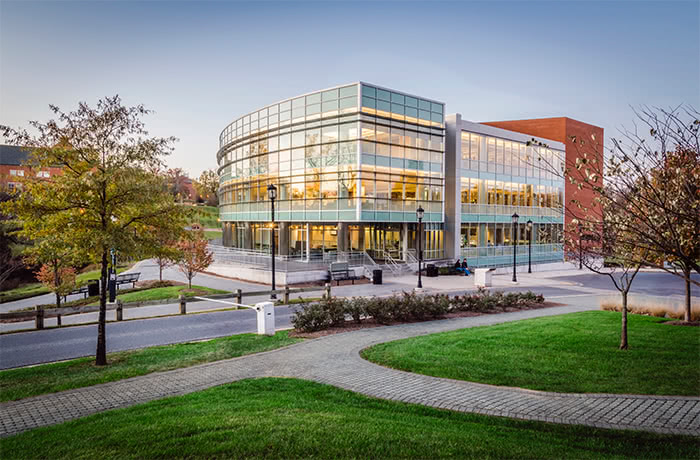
(335, 360)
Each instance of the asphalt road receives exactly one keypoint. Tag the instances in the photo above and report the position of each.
(649, 283)
(50, 345)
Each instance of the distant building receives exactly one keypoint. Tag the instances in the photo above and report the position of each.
(14, 162)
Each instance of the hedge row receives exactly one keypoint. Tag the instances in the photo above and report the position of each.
(409, 306)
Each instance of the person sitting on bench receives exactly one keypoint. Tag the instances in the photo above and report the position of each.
(457, 265)
(464, 268)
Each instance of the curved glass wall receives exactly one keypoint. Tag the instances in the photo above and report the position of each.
(344, 154)
(355, 153)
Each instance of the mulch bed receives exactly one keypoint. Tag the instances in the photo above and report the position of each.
(370, 322)
(683, 323)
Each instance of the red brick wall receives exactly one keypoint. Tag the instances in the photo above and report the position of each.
(588, 140)
(5, 176)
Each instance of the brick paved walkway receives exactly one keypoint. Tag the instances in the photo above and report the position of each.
(335, 360)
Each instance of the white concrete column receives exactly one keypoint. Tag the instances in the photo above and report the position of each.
(342, 236)
(404, 241)
(284, 238)
(453, 186)
(308, 242)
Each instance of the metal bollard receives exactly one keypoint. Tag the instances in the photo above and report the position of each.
(286, 295)
(239, 296)
(58, 320)
(327, 295)
(39, 321)
(183, 305)
(120, 310)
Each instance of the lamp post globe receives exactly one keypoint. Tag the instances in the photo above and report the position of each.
(514, 219)
(420, 212)
(272, 195)
(529, 246)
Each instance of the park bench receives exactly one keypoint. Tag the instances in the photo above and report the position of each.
(341, 271)
(127, 278)
(80, 290)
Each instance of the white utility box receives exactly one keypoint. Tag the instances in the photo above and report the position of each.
(266, 318)
(482, 277)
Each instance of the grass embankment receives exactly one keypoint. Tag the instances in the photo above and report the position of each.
(575, 353)
(168, 292)
(288, 418)
(206, 216)
(213, 235)
(34, 289)
(50, 378)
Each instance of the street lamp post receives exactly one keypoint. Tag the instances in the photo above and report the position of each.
(272, 194)
(113, 277)
(580, 247)
(529, 246)
(515, 217)
(419, 214)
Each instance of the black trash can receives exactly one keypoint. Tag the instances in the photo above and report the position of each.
(376, 277)
(431, 271)
(93, 288)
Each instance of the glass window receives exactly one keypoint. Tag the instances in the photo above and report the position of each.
(396, 108)
(397, 98)
(435, 107)
(348, 103)
(348, 91)
(411, 102)
(330, 106)
(385, 106)
(330, 95)
(368, 131)
(298, 139)
(411, 112)
(368, 102)
(424, 105)
(369, 91)
(330, 134)
(383, 95)
(383, 134)
(313, 109)
(313, 136)
(287, 105)
(348, 131)
(313, 99)
(273, 109)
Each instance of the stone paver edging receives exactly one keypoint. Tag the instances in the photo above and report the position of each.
(336, 360)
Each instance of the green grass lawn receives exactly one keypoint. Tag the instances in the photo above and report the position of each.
(288, 418)
(569, 353)
(34, 289)
(49, 378)
(207, 216)
(212, 235)
(169, 292)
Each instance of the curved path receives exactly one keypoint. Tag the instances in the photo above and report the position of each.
(335, 360)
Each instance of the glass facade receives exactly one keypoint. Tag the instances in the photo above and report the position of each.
(356, 154)
(499, 177)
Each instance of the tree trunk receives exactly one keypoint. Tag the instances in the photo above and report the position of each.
(56, 284)
(101, 353)
(160, 272)
(623, 335)
(189, 282)
(686, 273)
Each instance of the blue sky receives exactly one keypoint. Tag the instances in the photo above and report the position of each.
(199, 65)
